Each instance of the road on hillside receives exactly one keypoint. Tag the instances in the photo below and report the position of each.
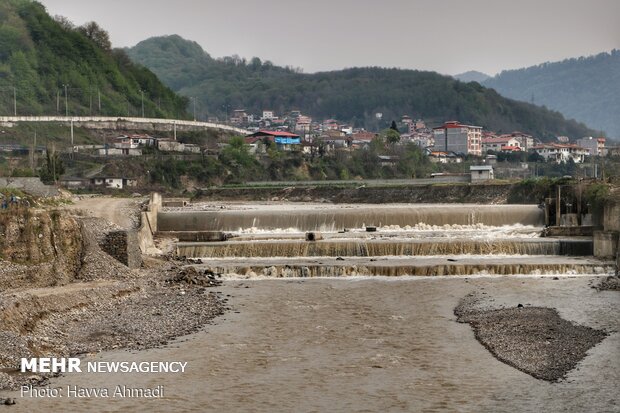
(118, 211)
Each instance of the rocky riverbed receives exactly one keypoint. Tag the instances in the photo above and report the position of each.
(102, 305)
(535, 340)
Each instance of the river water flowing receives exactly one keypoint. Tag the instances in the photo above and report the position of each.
(367, 343)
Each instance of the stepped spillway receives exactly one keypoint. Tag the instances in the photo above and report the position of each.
(268, 240)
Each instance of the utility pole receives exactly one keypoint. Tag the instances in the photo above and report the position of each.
(90, 100)
(34, 152)
(66, 101)
(194, 101)
(57, 101)
(142, 94)
(99, 99)
(14, 101)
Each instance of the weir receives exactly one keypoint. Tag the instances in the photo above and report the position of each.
(271, 240)
(370, 248)
(335, 218)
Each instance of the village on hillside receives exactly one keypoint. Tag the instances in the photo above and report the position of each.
(484, 154)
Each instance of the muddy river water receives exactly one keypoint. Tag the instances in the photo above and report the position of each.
(362, 344)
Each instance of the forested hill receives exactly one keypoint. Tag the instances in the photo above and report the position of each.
(586, 89)
(349, 95)
(39, 55)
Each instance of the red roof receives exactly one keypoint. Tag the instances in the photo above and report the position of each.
(454, 124)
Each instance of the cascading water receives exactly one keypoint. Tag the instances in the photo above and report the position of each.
(365, 248)
(320, 218)
(268, 240)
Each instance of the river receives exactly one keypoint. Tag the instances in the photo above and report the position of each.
(363, 344)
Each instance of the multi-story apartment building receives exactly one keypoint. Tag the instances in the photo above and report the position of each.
(458, 138)
(595, 146)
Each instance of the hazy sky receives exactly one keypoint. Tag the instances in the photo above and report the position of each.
(448, 36)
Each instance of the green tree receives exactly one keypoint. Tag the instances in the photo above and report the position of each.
(391, 136)
(53, 167)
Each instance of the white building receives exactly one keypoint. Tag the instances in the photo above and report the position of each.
(481, 173)
(558, 152)
(498, 143)
(268, 115)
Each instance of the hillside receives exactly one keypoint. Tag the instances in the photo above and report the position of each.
(354, 95)
(472, 76)
(39, 55)
(586, 89)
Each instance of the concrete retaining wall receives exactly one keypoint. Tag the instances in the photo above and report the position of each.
(32, 186)
(606, 242)
(148, 225)
(611, 217)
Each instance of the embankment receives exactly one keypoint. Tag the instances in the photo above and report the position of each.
(38, 248)
(445, 193)
(62, 295)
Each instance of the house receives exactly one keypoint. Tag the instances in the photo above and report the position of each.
(510, 148)
(594, 146)
(387, 160)
(456, 137)
(133, 141)
(238, 116)
(119, 152)
(496, 144)
(191, 148)
(168, 145)
(362, 137)
(443, 157)
(112, 182)
(268, 115)
(303, 124)
(423, 140)
(336, 138)
(329, 124)
(284, 140)
(561, 152)
(525, 141)
(481, 173)
(70, 182)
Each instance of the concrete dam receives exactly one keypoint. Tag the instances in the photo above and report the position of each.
(319, 217)
(307, 240)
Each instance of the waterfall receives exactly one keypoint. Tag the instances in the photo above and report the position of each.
(334, 218)
(368, 248)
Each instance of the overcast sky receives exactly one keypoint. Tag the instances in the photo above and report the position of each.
(447, 36)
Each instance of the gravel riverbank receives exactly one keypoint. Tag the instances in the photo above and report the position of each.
(535, 340)
(102, 306)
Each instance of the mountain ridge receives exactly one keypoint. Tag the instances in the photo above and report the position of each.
(586, 88)
(352, 95)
